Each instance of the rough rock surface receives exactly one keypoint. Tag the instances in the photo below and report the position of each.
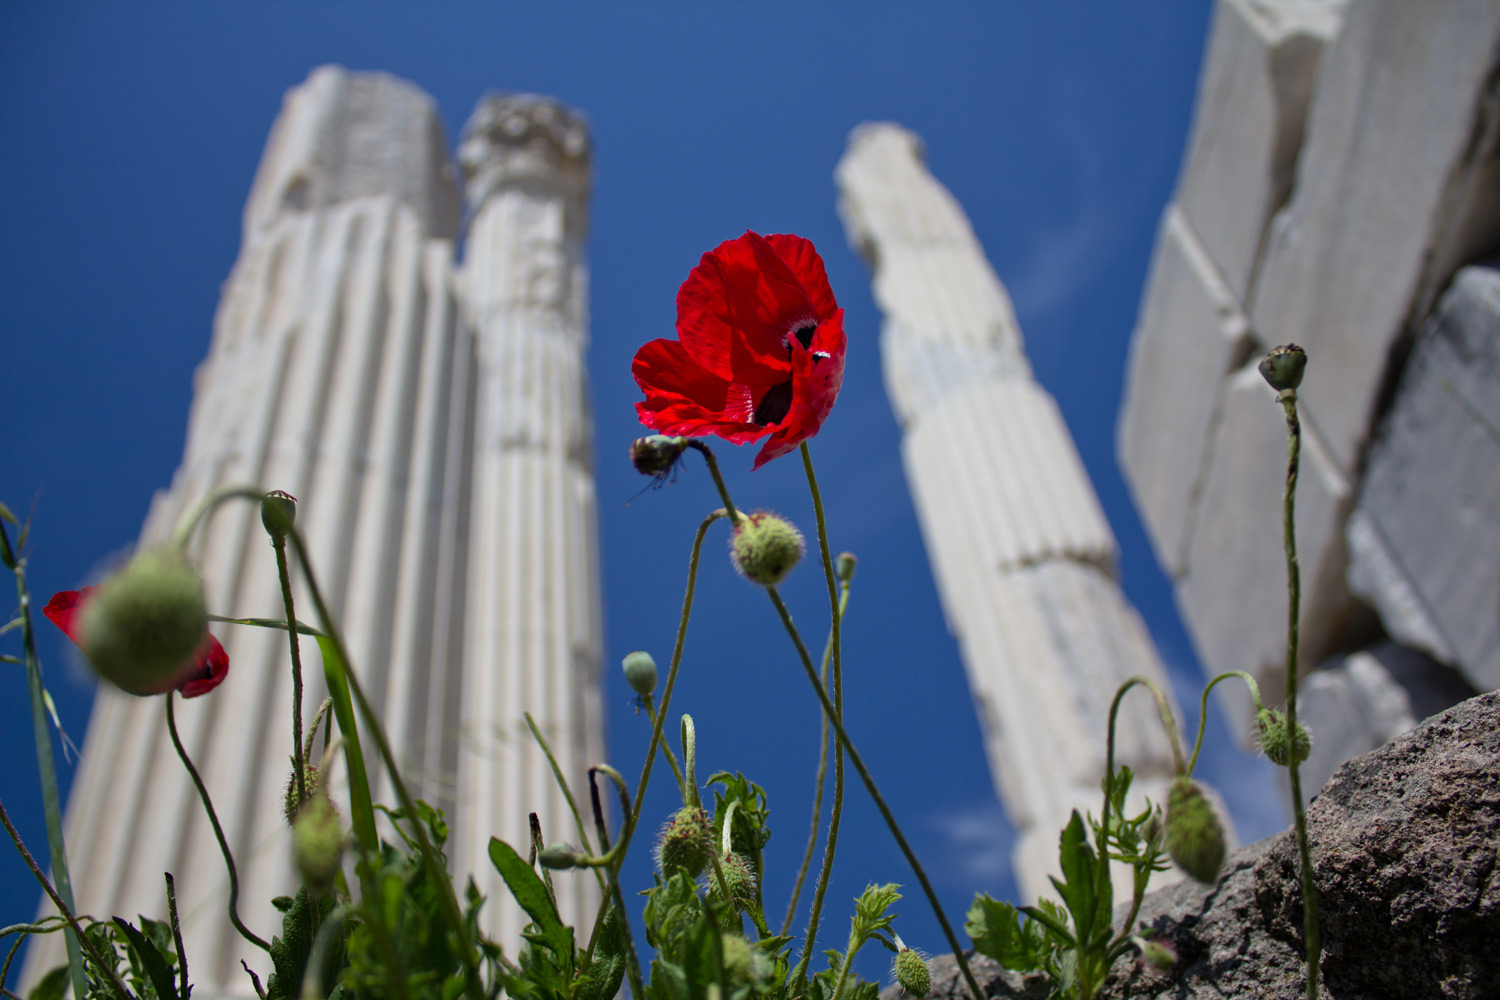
(1406, 851)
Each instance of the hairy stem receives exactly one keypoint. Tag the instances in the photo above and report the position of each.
(299, 764)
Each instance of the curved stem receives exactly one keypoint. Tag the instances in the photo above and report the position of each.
(689, 734)
(213, 819)
(299, 764)
(1288, 399)
(188, 524)
(874, 790)
(105, 970)
(1203, 708)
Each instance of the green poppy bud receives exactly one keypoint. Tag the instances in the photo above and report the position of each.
(1271, 735)
(558, 857)
(1195, 838)
(142, 627)
(844, 566)
(655, 454)
(739, 875)
(640, 673)
(765, 547)
(318, 844)
(1283, 367)
(278, 512)
(912, 973)
(744, 964)
(685, 842)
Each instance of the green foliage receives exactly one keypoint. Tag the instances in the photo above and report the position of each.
(1074, 944)
(144, 959)
(290, 951)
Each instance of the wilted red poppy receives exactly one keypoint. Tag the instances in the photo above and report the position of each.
(760, 348)
(210, 664)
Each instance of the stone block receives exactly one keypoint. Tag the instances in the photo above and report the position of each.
(1253, 96)
(344, 135)
(1191, 334)
(1424, 540)
(1363, 700)
(1397, 185)
(1233, 590)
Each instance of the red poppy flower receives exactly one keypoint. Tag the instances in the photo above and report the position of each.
(760, 348)
(210, 664)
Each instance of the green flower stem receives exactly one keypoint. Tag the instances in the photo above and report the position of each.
(436, 871)
(817, 812)
(106, 970)
(213, 819)
(874, 790)
(183, 533)
(299, 764)
(46, 766)
(627, 826)
(666, 748)
(562, 783)
(713, 469)
(1203, 708)
(1288, 400)
(691, 797)
(176, 925)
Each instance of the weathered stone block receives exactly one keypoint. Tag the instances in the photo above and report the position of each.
(1424, 542)
(1253, 95)
(1398, 183)
(1190, 335)
(1233, 590)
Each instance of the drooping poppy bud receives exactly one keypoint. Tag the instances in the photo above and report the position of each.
(1195, 837)
(142, 628)
(278, 512)
(655, 454)
(1271, 735)
(1283, 366)
(912, 973)
(765, 547)
(318, 844)
(685, 842)
(640, 673)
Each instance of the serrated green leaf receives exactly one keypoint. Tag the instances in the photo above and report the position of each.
(995, 928)
(52, 985)
(156, 968)
(531, 893)
(1080, 868)
(1052, 919)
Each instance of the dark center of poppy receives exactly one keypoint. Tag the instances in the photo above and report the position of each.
(804, 333)
(774, 405)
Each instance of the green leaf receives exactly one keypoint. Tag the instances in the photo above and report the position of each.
(5, 514)
(1052, 919)
(604, 974)
(1080, 867)
(50, 986)
(151, 960)
(276, 623)
(995, 929)
(13, 623)
(531, 893)
(7, 658)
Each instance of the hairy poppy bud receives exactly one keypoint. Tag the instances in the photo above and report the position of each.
(640, 673)
(1159, 953)
(912, 973)
(311, 783)
(1195, 838)
(739, 875)
(765, 547)
(1271, 735)
(318, 844)
(558, 857)
(685, 842)
(142, 627)
(278, 512)
(1283, 366)
(655, 454)
(844, 566)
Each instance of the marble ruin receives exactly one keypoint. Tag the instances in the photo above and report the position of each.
(1022, 553)
(1340, 189)
(429, 418)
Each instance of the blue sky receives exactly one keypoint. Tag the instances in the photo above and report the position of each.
(130, 138)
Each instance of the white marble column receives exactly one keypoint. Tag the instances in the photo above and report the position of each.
(534, 623)
(1023, 556)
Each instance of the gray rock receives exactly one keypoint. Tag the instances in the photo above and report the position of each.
(1406, 856)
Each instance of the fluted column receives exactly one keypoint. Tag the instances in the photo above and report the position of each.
(335, 373)
(1023, 556)
(533, 637)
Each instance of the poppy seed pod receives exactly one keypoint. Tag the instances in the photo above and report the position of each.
(685, 842)
(765, 547)
(1195, 838)
(278, 512)
(142, 627)
(640, 673)
(1283, 366)
(558, 857)
(912, 973)
(845, 565)
(1271, 735)
(655, 454)
(318, 844)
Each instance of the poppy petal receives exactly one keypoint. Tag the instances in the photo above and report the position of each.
(736, 309)
(666, 366)
(213, 667)
(63, 609)
(804, 262)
